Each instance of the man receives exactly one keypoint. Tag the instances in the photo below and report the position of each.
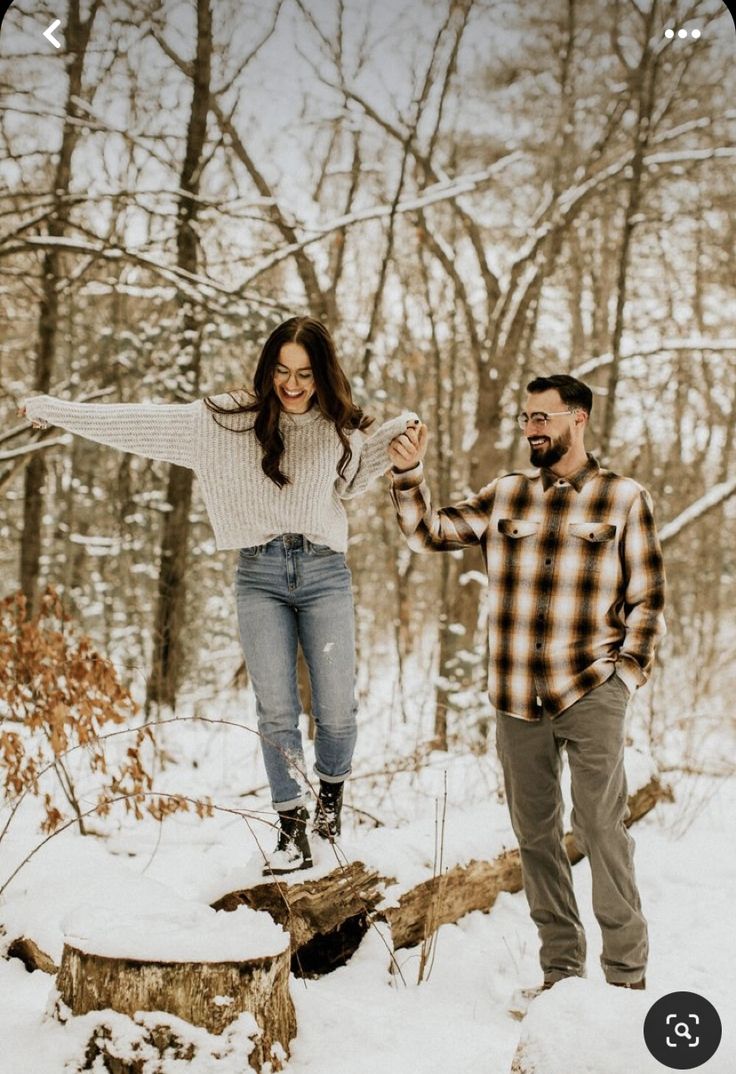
(575, 599)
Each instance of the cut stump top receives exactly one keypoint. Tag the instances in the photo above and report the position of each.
(194, 933)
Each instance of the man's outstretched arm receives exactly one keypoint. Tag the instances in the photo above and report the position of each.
(426, 529)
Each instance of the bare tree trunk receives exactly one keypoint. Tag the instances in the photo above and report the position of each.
(170, 612)
(646, 78)
(76, 34)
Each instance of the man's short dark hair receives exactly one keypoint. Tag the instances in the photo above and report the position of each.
(572, 392)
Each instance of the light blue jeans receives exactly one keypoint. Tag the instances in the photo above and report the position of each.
(291, 591)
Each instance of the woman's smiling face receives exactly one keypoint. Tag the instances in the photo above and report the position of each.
(293, 379)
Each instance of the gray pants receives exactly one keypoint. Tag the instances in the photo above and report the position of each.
(593, 731)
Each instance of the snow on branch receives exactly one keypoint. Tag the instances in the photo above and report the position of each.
(712, 498)
(691, 343)
(569, 198)
(196, 286)
(192, 285)
(445, 190)
(38, 445)
(683, 156)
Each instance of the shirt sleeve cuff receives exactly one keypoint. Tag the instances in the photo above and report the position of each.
(403, 480)
(629, 671)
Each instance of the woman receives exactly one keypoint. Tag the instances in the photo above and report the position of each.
(275, 466)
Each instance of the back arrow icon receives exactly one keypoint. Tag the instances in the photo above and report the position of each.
(49, 34)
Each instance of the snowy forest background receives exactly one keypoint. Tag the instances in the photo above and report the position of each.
(469, 193)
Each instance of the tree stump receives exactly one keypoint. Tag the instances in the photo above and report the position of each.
(202, 967)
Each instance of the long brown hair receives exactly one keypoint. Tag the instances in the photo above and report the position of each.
(333, 394)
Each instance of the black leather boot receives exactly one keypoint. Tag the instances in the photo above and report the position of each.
(327, 814)
(292, 850)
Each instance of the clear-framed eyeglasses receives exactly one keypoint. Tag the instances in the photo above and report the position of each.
(539, 418)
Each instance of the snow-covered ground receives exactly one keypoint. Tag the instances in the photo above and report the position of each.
(363, 1018)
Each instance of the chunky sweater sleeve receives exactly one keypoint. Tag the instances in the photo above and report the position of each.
(370, 455)
(168, 432)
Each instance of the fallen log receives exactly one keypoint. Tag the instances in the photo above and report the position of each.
(325, 918)
(205, 974)
(317, 913)
(444, 899)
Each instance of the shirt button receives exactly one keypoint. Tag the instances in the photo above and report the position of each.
(538, 645)
(547, 562)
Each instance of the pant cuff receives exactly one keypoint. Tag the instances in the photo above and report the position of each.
(293, 803)
(332, 779)
(553, 976)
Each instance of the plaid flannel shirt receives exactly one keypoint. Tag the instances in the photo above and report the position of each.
(575, 578)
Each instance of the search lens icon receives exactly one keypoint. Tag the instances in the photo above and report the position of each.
(682, 1030)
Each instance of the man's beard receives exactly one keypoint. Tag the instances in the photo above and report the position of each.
(551, 452)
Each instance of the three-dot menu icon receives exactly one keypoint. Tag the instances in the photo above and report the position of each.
(682, 33)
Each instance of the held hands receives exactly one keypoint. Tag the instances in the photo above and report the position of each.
(409, 448)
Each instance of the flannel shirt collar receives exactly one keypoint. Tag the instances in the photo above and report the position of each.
(577, 480)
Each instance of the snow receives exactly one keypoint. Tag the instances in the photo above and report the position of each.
(687, 886)
(181, 933)
(143, 890)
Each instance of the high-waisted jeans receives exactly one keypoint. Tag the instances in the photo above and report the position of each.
(291, 591)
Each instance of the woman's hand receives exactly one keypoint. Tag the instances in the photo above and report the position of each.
(409, 448)
(37, 423)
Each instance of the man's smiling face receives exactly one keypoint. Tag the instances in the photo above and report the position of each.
(548, 443)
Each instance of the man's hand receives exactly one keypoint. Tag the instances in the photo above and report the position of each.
(408, 449)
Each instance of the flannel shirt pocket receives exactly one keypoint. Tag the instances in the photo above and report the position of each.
(594, 542)
(517, 527)
(593, 532)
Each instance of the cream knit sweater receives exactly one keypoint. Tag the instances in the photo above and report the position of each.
(245, 507)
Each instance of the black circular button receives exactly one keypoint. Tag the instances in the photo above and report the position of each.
(682, 1030)
(547, 562)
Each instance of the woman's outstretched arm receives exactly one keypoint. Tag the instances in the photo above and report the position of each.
(165, 431)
